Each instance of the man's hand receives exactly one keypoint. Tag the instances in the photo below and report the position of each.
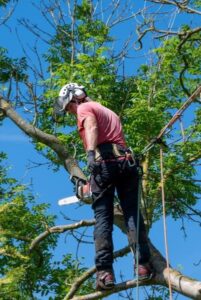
(92, 165)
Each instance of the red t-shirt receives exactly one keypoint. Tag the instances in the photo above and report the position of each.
(109, 125)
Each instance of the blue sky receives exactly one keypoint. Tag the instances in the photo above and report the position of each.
(50, 186)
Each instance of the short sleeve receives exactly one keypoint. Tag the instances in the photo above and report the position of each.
(84, 110)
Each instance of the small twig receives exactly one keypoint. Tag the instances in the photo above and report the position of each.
(198, 263)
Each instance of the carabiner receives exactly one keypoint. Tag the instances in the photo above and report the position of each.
(130, 158)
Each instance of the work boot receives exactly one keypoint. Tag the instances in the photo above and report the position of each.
(143, 271)
(105, 280)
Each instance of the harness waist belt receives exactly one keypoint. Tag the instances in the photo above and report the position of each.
(110, 151)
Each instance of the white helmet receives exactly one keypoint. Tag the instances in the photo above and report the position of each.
(67, 92)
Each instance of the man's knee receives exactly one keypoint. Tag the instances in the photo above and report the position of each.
(103, 243)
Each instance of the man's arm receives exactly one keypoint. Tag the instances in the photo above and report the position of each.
(91, 132)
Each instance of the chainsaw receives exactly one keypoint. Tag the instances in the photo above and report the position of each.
(82, 191)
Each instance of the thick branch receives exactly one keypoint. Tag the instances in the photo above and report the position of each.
(59, 229)
(180, 283)
(184, 285)
(118, 288)
(49, 140)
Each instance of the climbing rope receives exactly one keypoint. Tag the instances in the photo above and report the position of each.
(164, 221)
(158, 140)
(140, 173)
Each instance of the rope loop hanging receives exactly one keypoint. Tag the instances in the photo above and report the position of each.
(158, 140)
(164, 222)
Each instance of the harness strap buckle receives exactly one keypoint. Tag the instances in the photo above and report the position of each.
(130, 157)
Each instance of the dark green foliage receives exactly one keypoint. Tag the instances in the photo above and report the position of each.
(24, 273)
(21, 220)
(3, 2)
(64, 274)
(11, 68)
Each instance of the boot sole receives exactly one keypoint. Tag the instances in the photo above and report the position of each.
(104, 287)
(145, 277)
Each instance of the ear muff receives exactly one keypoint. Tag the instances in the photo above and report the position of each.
(79, 93)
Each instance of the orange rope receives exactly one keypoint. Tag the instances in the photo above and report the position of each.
(182, 130)
(164, 222)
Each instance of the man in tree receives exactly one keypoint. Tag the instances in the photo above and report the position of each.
(112, 166)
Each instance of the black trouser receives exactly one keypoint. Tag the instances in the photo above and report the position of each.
(116, 174)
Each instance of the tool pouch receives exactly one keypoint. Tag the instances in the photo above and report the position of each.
(109, 151)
